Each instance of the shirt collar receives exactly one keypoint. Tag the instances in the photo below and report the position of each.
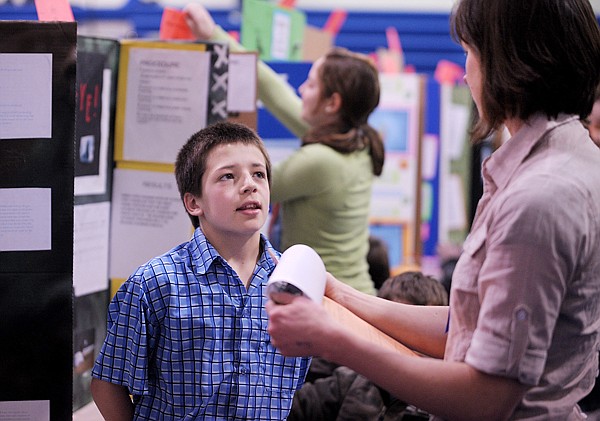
(502, 164)
(204, 254)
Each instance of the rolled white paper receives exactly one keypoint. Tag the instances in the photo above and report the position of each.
(301, 267)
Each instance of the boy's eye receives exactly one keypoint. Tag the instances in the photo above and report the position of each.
(227, 176)
(260, 174)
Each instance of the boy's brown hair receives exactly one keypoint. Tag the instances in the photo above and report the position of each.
(190, 164)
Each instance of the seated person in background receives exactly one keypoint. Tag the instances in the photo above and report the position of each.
(378, 260)
(187, 332)
(448, 253)
(415, 288)
(345, 394)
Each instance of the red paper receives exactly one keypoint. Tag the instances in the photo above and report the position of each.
(54, 11)
(235, 35)
(290, 4)
(174, 26)
(335, 21)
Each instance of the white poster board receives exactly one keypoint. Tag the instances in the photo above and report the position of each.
(162, 99)
(148, 219)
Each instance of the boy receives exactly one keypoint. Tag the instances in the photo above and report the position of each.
(187, 332)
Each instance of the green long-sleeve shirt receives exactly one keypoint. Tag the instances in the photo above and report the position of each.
(325, 197)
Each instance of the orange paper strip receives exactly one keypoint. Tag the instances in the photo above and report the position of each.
(174, 26)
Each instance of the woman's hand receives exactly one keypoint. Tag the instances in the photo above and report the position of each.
(199, 20)
(299, 328)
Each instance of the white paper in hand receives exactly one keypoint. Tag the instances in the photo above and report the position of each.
(300, 271)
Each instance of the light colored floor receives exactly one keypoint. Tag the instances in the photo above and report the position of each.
(88, 413)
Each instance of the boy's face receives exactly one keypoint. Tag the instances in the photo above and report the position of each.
(235, 192)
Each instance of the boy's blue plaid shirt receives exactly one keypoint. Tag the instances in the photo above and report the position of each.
(190, 342)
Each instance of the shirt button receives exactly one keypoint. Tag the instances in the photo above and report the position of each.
(521, 315)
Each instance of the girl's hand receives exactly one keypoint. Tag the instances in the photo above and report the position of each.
(199, 20)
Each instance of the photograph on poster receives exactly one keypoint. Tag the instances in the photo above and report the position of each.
(87, 149)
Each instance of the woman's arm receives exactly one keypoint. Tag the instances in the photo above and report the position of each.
(421, 328)
(276, 94)
(112, 400)
(449, 389)
(452, 390)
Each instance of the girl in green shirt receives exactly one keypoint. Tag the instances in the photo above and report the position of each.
(323, 188)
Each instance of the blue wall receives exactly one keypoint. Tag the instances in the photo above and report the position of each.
(425, 37)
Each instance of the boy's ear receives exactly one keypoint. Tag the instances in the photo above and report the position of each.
(192, 204)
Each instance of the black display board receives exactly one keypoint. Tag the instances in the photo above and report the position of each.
(36, 304)
(97, 67)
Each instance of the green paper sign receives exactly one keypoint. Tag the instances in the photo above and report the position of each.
(275, 32)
